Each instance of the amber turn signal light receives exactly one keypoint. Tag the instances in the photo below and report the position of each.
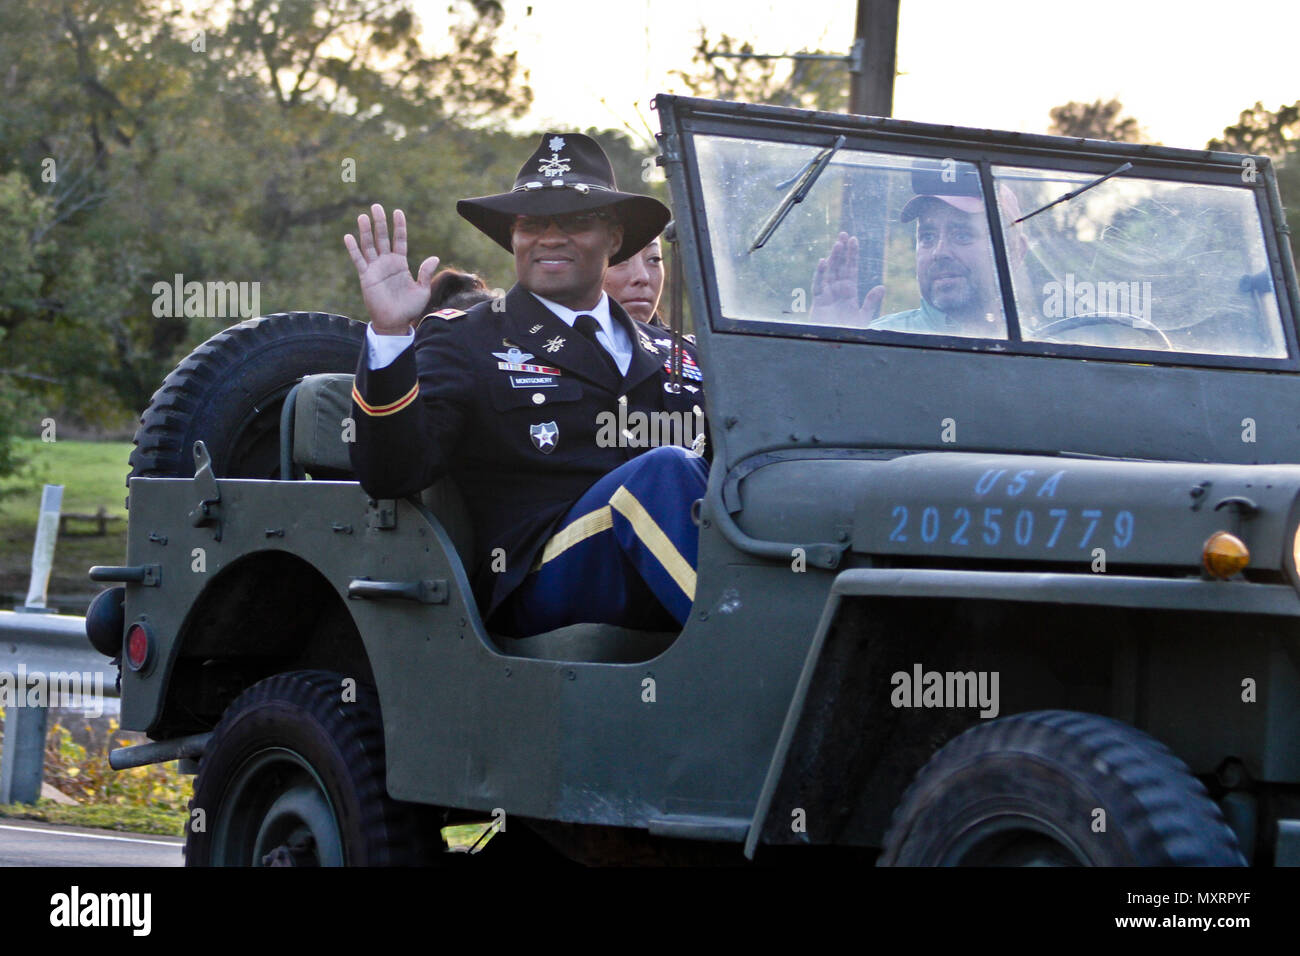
(1224, 554)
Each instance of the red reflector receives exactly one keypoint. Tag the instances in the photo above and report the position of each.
(137, 646)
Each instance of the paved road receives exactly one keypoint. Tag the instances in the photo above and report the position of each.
(44, 844)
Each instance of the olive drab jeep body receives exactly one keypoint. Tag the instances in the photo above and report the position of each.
(966, 588)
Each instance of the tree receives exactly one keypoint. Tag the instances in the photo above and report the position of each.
(228, 141)
(1275, 134)
(804, 84)
(1096, 120)
(365, 57)
(1263, 132)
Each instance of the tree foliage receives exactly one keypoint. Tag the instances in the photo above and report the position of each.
(1096, 120)
(223, 141)
(1275, 134)
(804, 84)
(1263, 132)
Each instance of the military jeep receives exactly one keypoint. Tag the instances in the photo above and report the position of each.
(1018, 592)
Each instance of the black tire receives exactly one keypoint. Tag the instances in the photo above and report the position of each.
(1024, 790)
(229, 392)
(295, 775)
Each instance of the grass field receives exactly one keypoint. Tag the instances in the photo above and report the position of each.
(93, 474)
(129, 819)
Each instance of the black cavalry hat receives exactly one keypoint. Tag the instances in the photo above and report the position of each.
(569, 172)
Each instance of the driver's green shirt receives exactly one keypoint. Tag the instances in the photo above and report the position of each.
(927, 320)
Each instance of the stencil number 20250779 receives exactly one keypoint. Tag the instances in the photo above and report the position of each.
(1049, 528)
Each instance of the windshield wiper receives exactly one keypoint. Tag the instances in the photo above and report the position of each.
(1082, 189)
(796, 194)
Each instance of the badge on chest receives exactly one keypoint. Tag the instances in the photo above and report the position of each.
(515, 359)
(545, 436)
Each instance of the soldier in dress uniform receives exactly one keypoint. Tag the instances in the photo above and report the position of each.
(546, 408)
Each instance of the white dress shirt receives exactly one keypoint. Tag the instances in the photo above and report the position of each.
(381, 350)
(611, 335)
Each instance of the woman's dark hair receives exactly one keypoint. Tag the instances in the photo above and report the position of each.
(452, 289)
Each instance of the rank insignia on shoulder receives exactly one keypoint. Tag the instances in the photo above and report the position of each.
(449, 315)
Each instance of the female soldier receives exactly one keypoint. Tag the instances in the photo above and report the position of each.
(637, 283)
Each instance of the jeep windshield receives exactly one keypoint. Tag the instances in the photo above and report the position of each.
(902, 247)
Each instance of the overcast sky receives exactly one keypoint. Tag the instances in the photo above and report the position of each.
(1183, 68)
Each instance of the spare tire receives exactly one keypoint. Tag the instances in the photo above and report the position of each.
(229, 392)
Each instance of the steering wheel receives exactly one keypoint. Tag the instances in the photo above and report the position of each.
(1124, 319)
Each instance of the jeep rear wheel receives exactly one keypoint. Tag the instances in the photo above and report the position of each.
(1057, 788)
(295, 776)
(229, 391)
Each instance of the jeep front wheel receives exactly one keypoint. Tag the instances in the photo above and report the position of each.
(294, 776)
(1057, 788)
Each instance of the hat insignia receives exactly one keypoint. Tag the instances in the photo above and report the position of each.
(553, 166)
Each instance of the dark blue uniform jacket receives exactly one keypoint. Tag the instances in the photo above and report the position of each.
(508, 403)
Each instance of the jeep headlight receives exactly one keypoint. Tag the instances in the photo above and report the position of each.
(1295, 553)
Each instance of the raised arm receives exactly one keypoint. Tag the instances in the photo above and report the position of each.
(393, 299)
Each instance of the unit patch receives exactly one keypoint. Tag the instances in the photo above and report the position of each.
(544, 436)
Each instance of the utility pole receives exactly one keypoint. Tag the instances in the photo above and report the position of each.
(873, 61)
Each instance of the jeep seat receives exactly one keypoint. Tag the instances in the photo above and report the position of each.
(312, 437)
(598, 643)
(320, 405)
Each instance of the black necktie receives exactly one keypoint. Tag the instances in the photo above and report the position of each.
(588, 327)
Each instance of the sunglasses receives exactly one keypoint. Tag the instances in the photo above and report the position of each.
(570, 224)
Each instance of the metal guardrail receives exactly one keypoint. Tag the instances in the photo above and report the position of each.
(48, 651)
(51, 643)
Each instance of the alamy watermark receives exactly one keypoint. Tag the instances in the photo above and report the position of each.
(74, 690)
(1063, 300)
(637, 429)
(952, 689)
(214, 300)
(74, 908)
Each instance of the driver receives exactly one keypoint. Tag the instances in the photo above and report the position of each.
(955, 271)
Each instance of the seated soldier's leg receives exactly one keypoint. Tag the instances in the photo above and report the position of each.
(625, 553)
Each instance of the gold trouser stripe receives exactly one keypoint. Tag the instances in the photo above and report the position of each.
(593, 522)
(378, 411)
(653, 537)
